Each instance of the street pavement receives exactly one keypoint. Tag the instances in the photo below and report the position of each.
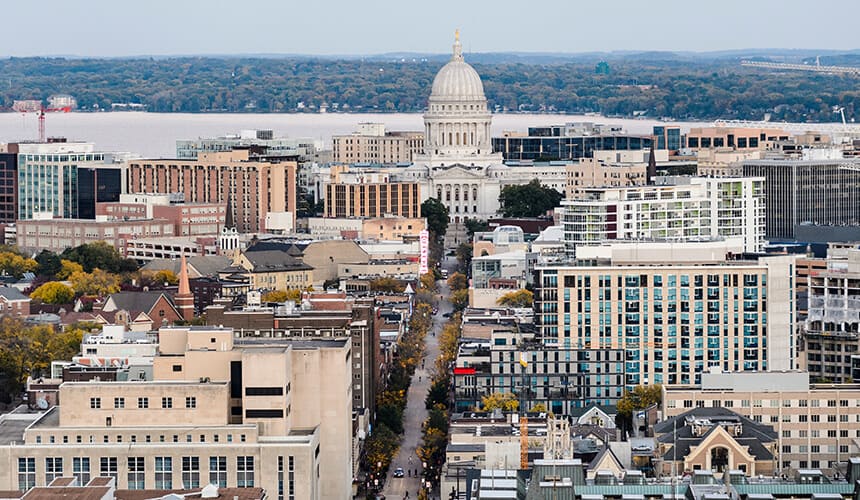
(416, 413)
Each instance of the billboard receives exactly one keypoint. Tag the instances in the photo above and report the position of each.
(424, 241)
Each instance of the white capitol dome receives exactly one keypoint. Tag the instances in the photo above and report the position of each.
(457, 80)
(457, 121)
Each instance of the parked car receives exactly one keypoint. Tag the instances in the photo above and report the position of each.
(398, 472)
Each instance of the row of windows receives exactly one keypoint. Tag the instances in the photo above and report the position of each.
(143, 403)
(216, 438)
(136, 470)
(772, 403)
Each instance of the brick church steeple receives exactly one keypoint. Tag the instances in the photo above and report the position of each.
(184, 299)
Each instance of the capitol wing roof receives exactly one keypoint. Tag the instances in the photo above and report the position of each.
(456, 172)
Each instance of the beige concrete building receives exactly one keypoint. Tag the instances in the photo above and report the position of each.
(386, 228)
(371, 143)
(254, 187)
(817, 424)
(57, 235)
(276, 415)
(740, 139)
(591, 172)
(724, 162)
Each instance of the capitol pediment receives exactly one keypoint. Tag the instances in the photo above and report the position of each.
(458, 172)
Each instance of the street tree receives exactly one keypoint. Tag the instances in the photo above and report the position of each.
(436, 214)
(458, 281)
(98, 282)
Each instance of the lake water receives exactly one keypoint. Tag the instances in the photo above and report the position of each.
(155, 134)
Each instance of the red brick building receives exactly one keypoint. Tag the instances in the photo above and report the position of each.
(255, 186)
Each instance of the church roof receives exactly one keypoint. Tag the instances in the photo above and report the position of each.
(457, 80)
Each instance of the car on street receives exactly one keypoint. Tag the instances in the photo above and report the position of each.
(446, 315)
(398, 472)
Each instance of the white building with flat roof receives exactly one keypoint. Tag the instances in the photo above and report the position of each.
(683, 209)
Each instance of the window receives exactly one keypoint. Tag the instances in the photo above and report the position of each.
(108, 467)
(177, 368)
(26, 473)
(190, 472)
(291, 478)
(119, 403)
(95, 403)
(218, 471)
(167, 402)
(245, 472)
(136, 473)
(163, 473)
(53, 468)
(191, 402)
(81, 469)
(143, 403)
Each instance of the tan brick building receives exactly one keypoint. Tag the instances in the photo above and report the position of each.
(373, 199)
(817, 424)
(254, 187)
(371, 143)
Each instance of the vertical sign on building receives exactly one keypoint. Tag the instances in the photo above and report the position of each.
(424, 240)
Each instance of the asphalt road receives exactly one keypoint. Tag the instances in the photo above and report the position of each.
(415, 413)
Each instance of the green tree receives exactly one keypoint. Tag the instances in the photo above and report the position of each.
(518, 298)
(48, 264)
(528, 200)
(460, 299)
(436, 214)
(53, 292)
(458, 281)
(100, 255)
(476, 226)
(464, 257)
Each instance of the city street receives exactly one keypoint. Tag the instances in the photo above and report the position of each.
(415, 413)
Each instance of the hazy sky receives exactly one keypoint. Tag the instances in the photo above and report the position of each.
(141, 27)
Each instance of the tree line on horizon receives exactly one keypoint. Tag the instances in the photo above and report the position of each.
(682, 90)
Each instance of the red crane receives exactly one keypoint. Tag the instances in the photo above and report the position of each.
(42, 112)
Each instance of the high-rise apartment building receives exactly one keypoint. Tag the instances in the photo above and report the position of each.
(809, 190)
(371, 143)
(673, 319)
(691, 209)
(66, 179)
(255, 188)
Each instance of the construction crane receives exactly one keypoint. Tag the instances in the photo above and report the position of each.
(42, 112)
